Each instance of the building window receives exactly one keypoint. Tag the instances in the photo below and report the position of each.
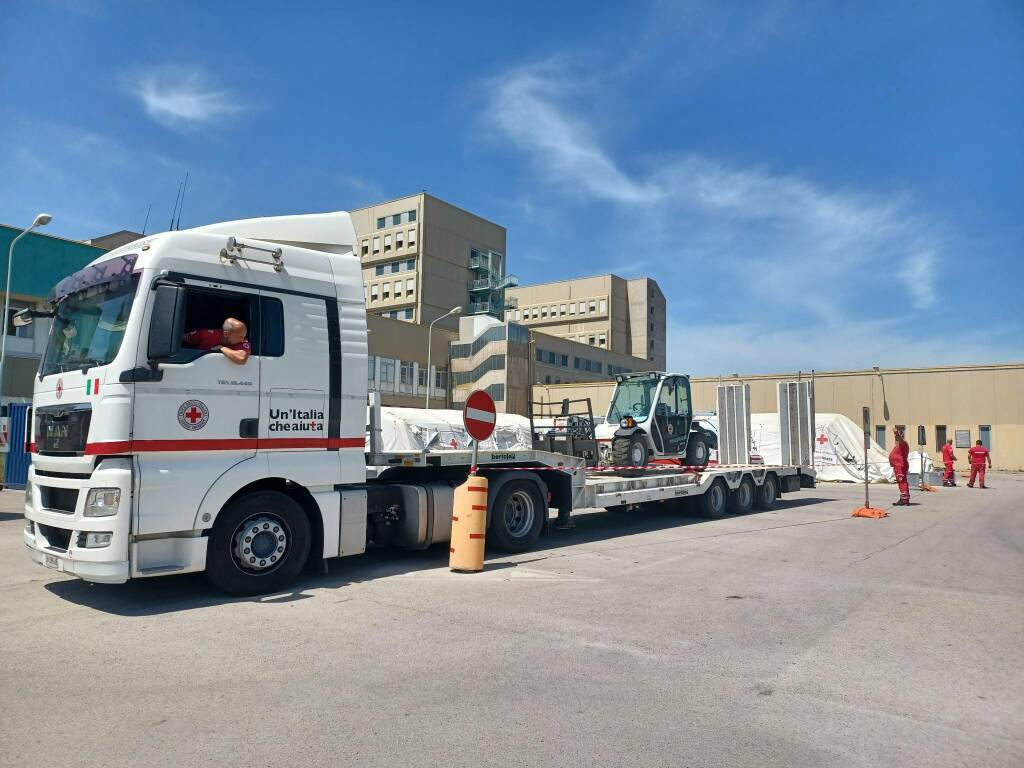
(652, 346)
(572, 308)
(366, 247)
(378, 270)
(412, 237)
(940, 436)
(421, 377)
(406, 373)
(603, 306)
(387, 371)
(385, 293)
(387, 242)
(410, 264)
(407, 314)
(373, 293)
(602, 340)
(410, 286)
(539, 355)
(380, 222)
(652, 327)
(577, 363)
(985, 435)
(396, 220)
(592, 306)
(543, 311)
(552, 358)
(398, 240)
(597, 366)
(440, 379)
(376, 245)
(561, 310)
(411, 216)
(583, 307)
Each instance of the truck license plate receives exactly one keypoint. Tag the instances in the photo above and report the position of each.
(52, 561)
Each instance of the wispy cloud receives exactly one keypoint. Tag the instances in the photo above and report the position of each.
(782, 242)
(182, 97)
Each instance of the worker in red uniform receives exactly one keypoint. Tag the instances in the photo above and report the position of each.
(978, 456)
(230, 340)
(948, 479)
(899, 460)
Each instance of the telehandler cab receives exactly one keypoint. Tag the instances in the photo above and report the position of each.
(651, 417)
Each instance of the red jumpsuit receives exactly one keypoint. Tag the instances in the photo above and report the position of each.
(978, 456)
(947, 459)
(898, 460)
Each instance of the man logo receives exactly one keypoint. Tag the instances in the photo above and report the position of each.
(193, 415)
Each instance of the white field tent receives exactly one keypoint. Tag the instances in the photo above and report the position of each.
(418, 429)
(838, 449)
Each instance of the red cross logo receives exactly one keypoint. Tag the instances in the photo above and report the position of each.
(313, 425)
(822, 439)
(60, 388)
(193, 415)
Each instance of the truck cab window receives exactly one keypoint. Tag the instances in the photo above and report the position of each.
(207, 309)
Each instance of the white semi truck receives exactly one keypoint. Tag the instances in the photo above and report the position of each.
(151, 458)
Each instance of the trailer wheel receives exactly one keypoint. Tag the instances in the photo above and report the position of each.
(259, 544)
(714, 500)
(517, 516)
(741, 501)
(766, 496)
(629, 452)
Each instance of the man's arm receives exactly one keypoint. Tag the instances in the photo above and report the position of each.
(236, 356)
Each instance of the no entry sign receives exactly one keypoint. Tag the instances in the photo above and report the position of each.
(479, 415)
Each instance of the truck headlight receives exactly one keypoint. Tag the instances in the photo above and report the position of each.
(97, 539)
(627, 423)
(102, 502)
(28, 492)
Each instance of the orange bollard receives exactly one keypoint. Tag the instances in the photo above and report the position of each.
(469, 526)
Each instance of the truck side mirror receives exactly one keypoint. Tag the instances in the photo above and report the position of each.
(167, 324)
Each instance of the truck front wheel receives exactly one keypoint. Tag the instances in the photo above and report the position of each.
(517, 516)
(631, 452)
(259, 544)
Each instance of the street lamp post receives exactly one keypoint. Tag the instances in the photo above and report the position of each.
(430, 332)
(40, 221)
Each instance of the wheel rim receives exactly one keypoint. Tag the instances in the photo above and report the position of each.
(717, 498)
(520, 513)
(260, 544)
(638, 454)
(700, 453)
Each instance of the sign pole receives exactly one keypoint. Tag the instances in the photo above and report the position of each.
(476, 450)
(867, 443)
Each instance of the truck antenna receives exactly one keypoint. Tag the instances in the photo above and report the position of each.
(174, 210)
(146, 222)
(184, 189)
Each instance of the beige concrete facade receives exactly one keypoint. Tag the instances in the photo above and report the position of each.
(398, 362)
(626, 317)
(950, 398)
(415, 253)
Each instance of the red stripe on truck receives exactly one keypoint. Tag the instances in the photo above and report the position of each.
(215, 444)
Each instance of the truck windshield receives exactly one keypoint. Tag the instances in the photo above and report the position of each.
(632, 398)
(88, 326)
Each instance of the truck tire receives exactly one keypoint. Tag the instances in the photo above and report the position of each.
(741, 501)
(259, 544)
(517, 516)
(629, 452)
(713, 502)
(767, 494)
(697, 451)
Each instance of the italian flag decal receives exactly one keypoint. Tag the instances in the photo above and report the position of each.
(92, 386)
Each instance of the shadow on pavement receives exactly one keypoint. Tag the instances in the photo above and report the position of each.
(5, 516)
(170, 594)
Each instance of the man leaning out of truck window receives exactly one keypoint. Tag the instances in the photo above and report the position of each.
(230, 340)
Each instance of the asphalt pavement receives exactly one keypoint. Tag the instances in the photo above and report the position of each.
(799, 637)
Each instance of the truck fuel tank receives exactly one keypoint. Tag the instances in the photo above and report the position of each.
(410, 515)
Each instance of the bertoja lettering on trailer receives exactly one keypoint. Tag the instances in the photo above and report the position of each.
(296, 420)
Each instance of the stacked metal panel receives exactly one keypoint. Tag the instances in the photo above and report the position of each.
(733, 423)
(796, 422)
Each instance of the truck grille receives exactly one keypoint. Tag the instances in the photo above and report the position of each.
(59, 499)
(62, 430)
(56, 538)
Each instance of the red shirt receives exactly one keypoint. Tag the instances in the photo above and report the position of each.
(208, 338)
(947, 454)
(977, 454)
(898, 456)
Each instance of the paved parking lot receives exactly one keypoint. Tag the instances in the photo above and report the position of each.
(793, 638)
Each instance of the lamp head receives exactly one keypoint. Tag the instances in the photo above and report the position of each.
(455, 311)
(42, 220)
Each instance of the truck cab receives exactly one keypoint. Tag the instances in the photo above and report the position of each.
(128, 416)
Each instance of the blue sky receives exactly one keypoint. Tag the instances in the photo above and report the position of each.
(814, 185)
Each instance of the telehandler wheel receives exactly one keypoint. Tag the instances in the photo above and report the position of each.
(518, 515)
(766, 495)
(741, 501)
(712, 502)
(629, 452)
(259, 544)
(697, 452)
